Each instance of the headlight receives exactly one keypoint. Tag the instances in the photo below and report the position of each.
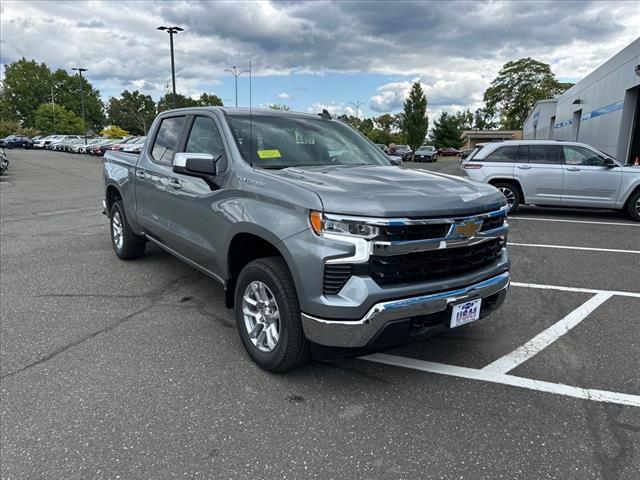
(324, 224)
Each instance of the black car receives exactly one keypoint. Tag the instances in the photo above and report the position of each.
(404, 151)
(16, 141)
(426, 153)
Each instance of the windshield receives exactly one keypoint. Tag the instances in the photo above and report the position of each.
(279, 141)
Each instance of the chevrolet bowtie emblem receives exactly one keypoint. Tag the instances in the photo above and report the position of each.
(468, 229)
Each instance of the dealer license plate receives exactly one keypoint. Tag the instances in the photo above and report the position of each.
(466, 312)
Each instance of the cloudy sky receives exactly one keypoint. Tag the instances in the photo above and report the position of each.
(318, 54)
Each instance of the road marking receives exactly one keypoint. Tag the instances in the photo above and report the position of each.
(565, 247)
(547, 337)
(475, 374)
(574, 289)
(621, 224)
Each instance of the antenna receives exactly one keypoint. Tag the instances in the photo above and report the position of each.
(250, 122)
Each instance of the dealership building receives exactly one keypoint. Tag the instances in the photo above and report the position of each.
(602, 109)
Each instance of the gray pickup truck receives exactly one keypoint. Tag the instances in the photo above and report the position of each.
(323, 246)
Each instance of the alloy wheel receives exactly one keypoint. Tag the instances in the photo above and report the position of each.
(261, 316)
(509, 195)
(116, 230)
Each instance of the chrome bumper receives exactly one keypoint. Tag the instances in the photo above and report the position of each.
(358, 333)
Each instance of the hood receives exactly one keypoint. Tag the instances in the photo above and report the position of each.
(389, 191)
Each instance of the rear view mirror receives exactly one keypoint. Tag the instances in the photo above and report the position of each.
(195, 164)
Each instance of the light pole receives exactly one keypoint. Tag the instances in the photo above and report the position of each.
(171, 31)
(53, 109)
(84, 125)
(357, 104)
(236, 74)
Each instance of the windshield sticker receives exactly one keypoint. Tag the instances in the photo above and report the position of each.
(269, 154)
(302, 139)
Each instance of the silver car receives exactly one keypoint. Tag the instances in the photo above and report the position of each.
(568, 174)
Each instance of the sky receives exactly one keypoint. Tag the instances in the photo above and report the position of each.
(315, 55)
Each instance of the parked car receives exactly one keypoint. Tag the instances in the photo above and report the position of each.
(124, 142)
(135, 147)
(318, 253)
(426, 153)
(553, 173)
(404, 152)
(383, 147)
(447, 152)
(16, 141)
(103, 146)
(42, 142)
(81, 147)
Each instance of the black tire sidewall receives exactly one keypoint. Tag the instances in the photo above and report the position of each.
(132, 245)
(289, 314)
(631, 208)
(516, 194)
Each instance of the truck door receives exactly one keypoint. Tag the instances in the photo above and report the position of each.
(587, 181)
(153, 175)
(193, 205)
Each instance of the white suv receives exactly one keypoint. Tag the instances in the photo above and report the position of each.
(548, 172)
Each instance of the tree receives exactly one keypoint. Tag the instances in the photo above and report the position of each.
(518, 86)
(464, 119)
(166, 102)
(278, 106)
(415, 122)
(387, 129)
(208, 99)
(27, 85)
(446, 131)
(51, 118)
(113, 131)
(483, 120)
(133, 111)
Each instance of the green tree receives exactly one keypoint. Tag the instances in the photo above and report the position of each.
(133, 111)
(415, 122)
(51, 118)
(387, 129)
(464, 119)
(27, 85)
(483, 120)
(166, 102)
(518, 86)
(113, 131)
(66, 91)
(446, 131)
(279, 106)
(208, 99)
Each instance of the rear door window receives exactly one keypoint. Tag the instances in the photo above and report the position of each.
(506, 154)
(166, 141)
(543, 154)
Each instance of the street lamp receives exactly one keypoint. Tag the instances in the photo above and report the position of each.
(357, 104)
(171, 31)
(236, 74)
(84, 127)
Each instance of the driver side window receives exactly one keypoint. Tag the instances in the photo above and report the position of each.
(205, 138)
(582, 156)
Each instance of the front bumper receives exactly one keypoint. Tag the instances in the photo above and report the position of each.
(364, 332)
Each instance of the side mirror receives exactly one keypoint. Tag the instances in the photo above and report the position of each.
(395, 160)
(609, 162)
(195, 164)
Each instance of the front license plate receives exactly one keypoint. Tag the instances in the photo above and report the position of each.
(466, 312)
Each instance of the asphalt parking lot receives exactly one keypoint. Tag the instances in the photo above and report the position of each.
(114, 369)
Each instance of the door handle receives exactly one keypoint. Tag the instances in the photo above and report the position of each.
(524, 167)
(175, 183)
(573, 169)
(140, 174)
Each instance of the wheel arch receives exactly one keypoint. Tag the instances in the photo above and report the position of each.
(512, 181)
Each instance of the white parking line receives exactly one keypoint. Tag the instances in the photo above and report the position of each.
(621, 224)
(474, 374)
(566, 247)
(574, 289)
(547, 337)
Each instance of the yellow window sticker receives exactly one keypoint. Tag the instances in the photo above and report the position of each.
(269, 154)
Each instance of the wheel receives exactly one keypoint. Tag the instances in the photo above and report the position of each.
(126, 243)
(268, 316)
(511, 193)
(633, 206)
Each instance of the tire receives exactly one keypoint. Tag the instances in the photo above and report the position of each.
(633, 206)
(125, 242)
(511, 193)
(291, 348)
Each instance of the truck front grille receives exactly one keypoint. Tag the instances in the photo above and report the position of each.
(394, 233)
(434, 264)
(335, 277)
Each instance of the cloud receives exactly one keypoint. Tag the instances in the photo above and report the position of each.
(283, 95)
(333, 108)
